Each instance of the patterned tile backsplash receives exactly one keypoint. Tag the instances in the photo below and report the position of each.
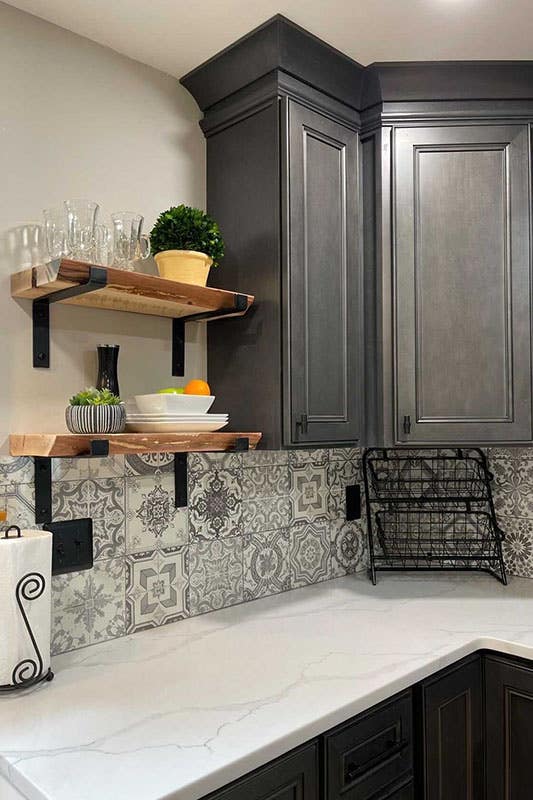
(257, 524)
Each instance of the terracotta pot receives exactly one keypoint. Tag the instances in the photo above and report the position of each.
(185, 266)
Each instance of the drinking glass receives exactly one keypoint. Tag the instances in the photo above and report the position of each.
(81, 217)
(103, 245)
(56, 232)
(129, 243)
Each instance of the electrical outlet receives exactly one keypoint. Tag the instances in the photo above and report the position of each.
(72, 548)
(353, 502)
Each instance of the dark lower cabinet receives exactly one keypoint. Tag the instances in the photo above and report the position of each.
(452, 733)
(466, 733)
(292, 777)
(509, 730)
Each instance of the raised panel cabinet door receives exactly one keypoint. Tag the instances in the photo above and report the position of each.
(291, 777)
(325, 325)
(453, 734)
(462, 283)
(509, 730)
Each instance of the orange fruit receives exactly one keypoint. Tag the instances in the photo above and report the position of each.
(197, 387)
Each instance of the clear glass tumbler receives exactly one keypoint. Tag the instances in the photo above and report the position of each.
(129, 243)
(81, 216)
(56, 232)
(103, 245)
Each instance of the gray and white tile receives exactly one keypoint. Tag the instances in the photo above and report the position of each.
(198, 464)
(513, 486)
(149, 464)
(88, 607)
(76, 469)
(266, 514)
(267, 481)
(19, 502)
(318, 456)
(265, 458)
(310, 553)
(266, 563)
(103, 501)
(215, 571)
(348, 548)
(309, 492)
(517, 545)
(214, 502)
(15, 470)
(156, 588)
(152, 520)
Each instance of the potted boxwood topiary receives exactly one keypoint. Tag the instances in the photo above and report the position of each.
(95, 411)
(185, 243)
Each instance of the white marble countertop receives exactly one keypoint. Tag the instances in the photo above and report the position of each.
(179, 711)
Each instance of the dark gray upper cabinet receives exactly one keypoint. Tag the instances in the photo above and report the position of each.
(283, 183)
(381, 216)
(462, 271)
(324, 276)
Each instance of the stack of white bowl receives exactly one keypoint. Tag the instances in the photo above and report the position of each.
(173, 413)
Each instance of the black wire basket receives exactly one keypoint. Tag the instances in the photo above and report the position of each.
(431, 510)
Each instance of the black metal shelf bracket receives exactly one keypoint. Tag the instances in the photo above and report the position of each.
(98, 448)
(240, 305)
(41, 313)
(180, 480)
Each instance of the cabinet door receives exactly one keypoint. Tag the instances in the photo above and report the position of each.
(453, 734)
(509, 730)
(292, 777)
(324, 331)
(462, 294)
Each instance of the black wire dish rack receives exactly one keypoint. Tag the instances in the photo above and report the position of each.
(431, 510)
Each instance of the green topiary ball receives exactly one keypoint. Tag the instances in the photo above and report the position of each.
(186, 228)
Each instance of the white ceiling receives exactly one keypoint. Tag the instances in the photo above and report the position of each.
(177, 35)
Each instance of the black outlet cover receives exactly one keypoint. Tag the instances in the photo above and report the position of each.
(353, 502)
(72, 548)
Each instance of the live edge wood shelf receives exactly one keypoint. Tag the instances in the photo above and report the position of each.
(69, 445)
(83, 284)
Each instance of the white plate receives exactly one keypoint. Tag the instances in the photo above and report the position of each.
(176, 417)
(176, 427)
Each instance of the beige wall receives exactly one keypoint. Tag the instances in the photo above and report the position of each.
(79, 120)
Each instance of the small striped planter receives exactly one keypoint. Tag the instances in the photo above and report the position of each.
(96, 419)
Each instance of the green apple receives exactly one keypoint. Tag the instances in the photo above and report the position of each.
(172, 390)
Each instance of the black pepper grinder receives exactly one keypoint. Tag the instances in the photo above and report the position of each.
(107, 367)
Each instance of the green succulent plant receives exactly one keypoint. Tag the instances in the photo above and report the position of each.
(186, 228)
(95, 397)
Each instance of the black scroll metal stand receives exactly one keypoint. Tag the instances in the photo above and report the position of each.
(29, 671)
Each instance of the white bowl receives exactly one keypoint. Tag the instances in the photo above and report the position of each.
(174, 403)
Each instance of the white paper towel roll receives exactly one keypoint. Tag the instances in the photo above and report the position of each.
(25, 605)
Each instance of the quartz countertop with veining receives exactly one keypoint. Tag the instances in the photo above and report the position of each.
(179, 711)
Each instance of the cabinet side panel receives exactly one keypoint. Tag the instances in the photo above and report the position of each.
(243, 195)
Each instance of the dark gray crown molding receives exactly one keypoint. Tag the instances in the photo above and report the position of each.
(279, 51)
(412, 81)
(278, 44)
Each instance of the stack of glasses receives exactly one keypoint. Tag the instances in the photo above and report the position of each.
(72, 231)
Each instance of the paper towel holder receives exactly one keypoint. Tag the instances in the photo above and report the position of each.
(30, 587)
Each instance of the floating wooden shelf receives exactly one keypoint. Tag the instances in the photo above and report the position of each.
(123, 291)
(49, 445)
